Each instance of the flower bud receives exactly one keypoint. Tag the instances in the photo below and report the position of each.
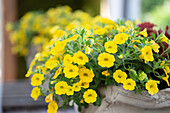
(142, 76)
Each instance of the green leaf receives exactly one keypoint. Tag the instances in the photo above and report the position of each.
(98, 101)
(147, 69)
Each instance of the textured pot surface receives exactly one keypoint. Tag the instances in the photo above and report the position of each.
(117, 100)
(32, 52)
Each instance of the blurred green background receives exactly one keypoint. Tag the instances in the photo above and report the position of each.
(156, 11)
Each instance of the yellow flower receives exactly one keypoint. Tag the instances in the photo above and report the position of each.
(120, 56)
(54, 81)
(166, 70)
(73, 38)
(138, 21)
(164, 39)
(110, 47)
(144, 33)
(129, 84)
(106, 60)
(121, 38)
(119, 76)
(86, 75)
(90, 96)
(107, 21)
(54, 51)
(99, 31)
(129, 24)
(58, 48)
(69, 91)
(81, 101)
(35, 93)
(152, 87)
(67, 60)
(147, 53)
(51, 63)
(70, 26)
(80, 58)
(135, 46)
(49, 98)
(88, 34)
(52, 107)
(37, 79)
(70, 71)
(58, 72)
(122, 29)
(88, 50)
(37, 40)
(58, 33)
(84, 84)
(76, 87)
(109, 28)
(54, 29)
(61, 87)
(166, 79)
(106, 73)
(81, 66)
(44, 69)
(155, 46)
(29, 72)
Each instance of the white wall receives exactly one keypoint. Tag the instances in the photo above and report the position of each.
(133, 9)
(119, 9)
(112, 9)
(0, 56)
(116, 9)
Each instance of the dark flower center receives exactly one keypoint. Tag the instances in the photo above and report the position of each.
(70, 89)
(151, 86)
(106, 59)
(89, 95)
(70, 70)
(80, 57)
(121, 38)
(61, 87)
(37, 78)
(119, 76)
(147, 53)
(110, 47)
(85, 74)
(82, 84)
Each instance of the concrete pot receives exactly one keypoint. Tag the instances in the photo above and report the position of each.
(117, 100)
(30, 56)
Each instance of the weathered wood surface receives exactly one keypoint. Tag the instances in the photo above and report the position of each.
(69, 110)
(16, 99)
(9, 8)
(17, 94)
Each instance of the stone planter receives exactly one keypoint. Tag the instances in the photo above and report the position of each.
(117, 100)
(31, 55)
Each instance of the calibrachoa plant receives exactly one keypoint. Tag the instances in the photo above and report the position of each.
(74, 66)
(35, 29)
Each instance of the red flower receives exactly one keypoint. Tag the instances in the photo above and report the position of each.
(161, 48)
(160, 31)
(146, 25)
(149, 26)
(166, 32)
